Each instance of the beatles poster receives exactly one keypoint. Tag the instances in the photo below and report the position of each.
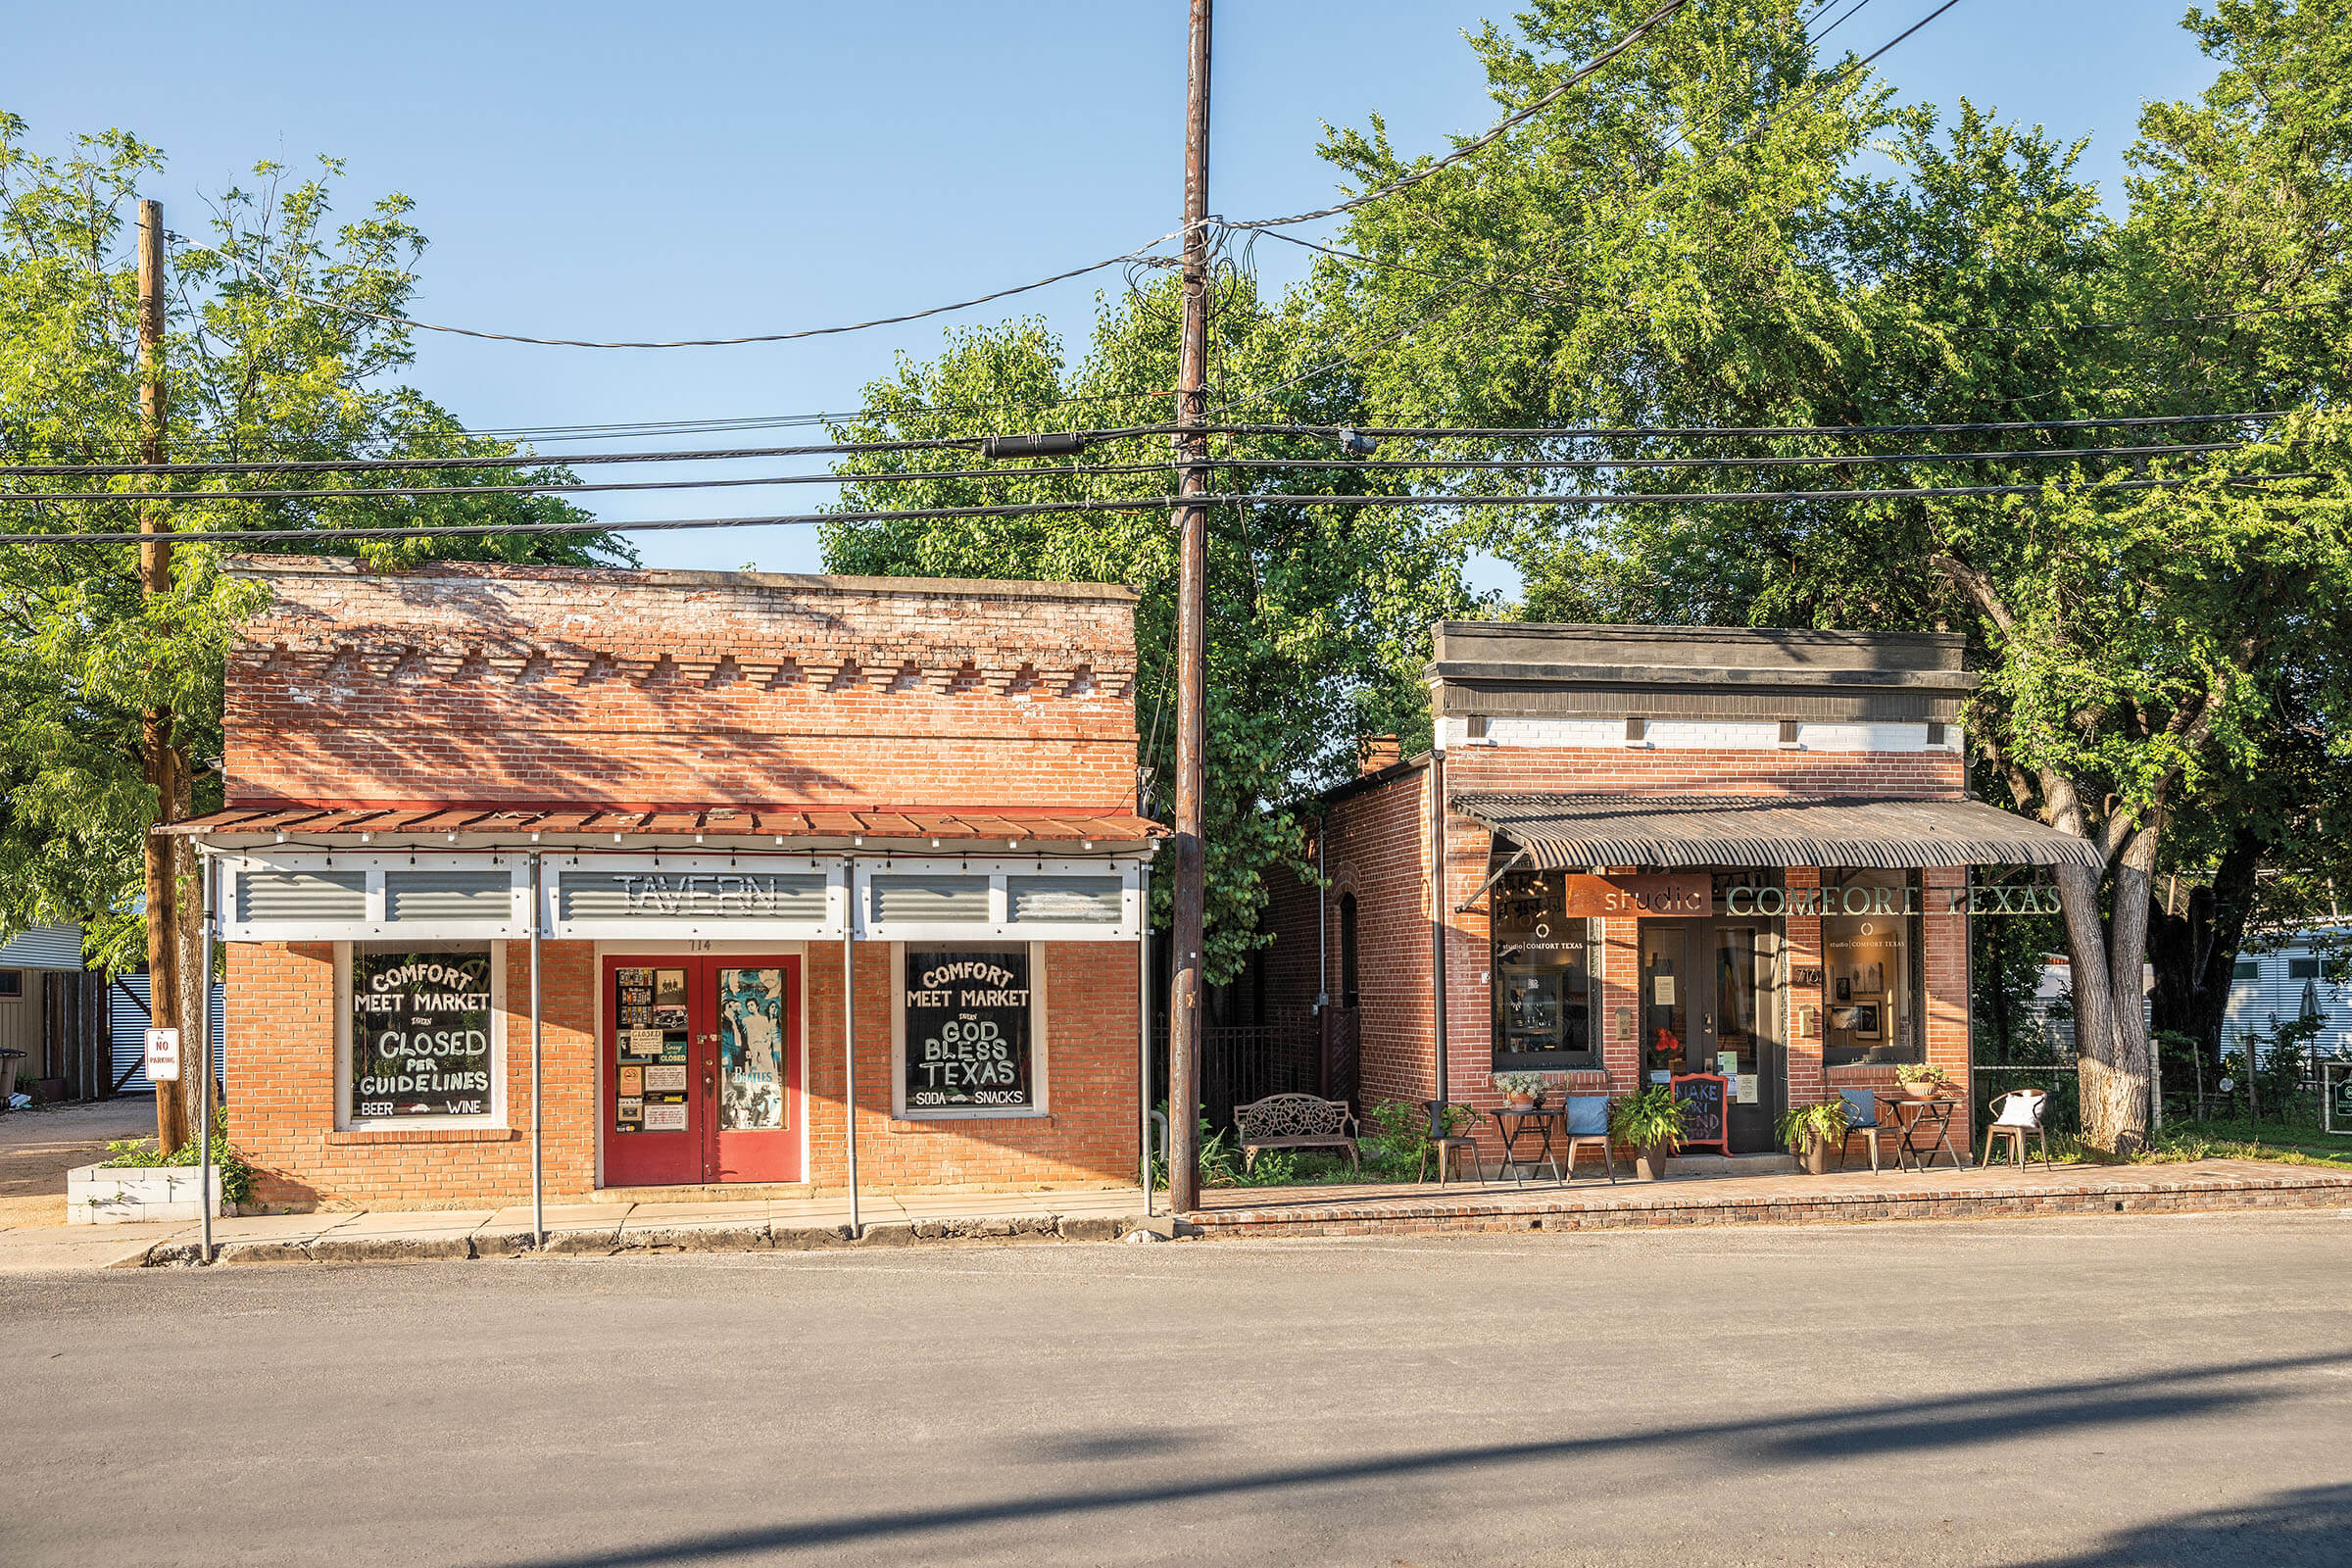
(419, 1034)
(751, 1050)
(967, 1030)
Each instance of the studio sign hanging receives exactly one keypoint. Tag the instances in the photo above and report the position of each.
(1585, 895)
(2032, 898)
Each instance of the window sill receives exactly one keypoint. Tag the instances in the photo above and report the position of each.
(422, 1134)
(953, 1119)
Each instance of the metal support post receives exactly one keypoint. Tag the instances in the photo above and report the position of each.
(1436, 924)
(203, 1065)
(848, 1031)
(538, 1171)
(1143, 1037)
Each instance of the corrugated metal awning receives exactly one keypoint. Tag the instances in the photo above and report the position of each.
(967, 825)
(1562, 831)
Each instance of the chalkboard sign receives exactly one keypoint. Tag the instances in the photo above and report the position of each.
(421, 1033)
(1702, 1095)
(966, 1015)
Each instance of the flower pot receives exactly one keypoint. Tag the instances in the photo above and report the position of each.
(1521, 1102)
(1817, 1156)
(1650, 1161)
(1923, 1090)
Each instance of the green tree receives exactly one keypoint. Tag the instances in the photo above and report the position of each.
(282, 341)
(1318, 616)
(1696, 237)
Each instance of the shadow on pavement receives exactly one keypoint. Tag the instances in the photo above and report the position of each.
(1948, 1422)
(2310, 1527)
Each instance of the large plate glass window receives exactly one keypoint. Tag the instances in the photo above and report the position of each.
(1869, 952)
(420, 1031)
(1543, 977)
(968, 1031)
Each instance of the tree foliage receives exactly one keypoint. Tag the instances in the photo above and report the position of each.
(1318, 616)
(267, 355)
(1723, 229)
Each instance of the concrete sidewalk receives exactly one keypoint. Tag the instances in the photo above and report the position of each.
(391, 1236)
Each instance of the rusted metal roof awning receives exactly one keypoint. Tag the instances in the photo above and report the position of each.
(1563, 831)
(968, 828)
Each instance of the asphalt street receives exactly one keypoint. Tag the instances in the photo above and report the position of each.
(2165, 1390)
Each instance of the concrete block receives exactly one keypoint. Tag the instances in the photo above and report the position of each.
(1088, 1228)
(261, 1252)
(598, 1242)
(502, 1244)
(896, 1235)
(695, 1238)
(807, 1238)
(392, 1249)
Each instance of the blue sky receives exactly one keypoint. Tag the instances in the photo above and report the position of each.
(611, 170)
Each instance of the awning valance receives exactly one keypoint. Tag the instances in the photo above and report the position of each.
(1562, 831)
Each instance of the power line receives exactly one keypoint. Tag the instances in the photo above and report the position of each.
(1132, 503)
(1500, 129)
(1099, 470)
(1138, 255)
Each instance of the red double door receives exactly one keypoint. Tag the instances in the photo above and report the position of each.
(702, 1070)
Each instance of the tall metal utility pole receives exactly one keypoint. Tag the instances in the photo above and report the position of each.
(155, 723)
(1191, 644)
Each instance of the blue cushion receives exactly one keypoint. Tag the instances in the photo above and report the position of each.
(1588, 1115)
(1861, 1108)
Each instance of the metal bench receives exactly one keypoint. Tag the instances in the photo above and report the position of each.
(1294, 1121)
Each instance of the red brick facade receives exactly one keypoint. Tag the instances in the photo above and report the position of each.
(1376, 839)
(501, 686)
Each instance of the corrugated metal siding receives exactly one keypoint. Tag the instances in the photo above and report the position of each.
(1563, 831)
(1078, 900)
(449, 895)
(2261, 1005)
(127, 1022)
(321, 896)
(931, 897)
(44, 947)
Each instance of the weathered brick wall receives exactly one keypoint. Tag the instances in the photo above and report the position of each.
(1376, 845)
(484, 684)
(283, 1090)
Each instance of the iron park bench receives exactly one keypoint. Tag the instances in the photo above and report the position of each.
(1294, 1121)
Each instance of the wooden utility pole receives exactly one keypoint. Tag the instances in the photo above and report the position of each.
(1191, 644)
(155, 723)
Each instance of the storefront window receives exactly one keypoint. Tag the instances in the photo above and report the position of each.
(1870, 947)
(969, 1025)
(420, 1031)
(1543, 978)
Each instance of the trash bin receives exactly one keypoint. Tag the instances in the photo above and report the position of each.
(7, 1075)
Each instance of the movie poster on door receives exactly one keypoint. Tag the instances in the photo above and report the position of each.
(419, 1034)
(967, 1018)
(751, 1050)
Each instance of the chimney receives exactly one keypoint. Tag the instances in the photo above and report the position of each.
(1376, 752)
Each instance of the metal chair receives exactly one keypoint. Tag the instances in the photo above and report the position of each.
(2014, 1115)
(1458, 1144)
(1589, 1124)
(1861, 1116)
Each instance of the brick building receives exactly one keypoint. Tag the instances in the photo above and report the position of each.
(699, 799)
(1664, 853)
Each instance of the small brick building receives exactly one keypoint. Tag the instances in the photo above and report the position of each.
(1666, 853)
(707, 796)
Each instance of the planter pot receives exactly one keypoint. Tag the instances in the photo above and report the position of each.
(1923, 1090)
(1650, 1161)
(97, 1194)
(1817, 1156)
(1522, 1102)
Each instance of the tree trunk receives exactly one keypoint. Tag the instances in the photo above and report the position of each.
(2195, 951)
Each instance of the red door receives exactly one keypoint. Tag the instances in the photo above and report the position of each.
(702, 1070)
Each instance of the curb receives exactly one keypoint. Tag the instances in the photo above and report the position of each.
(619, 1241)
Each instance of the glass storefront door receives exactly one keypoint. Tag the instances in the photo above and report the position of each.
(1708, 1004)
(701, 1070)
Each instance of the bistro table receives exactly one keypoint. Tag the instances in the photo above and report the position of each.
(1912, 1113)
(1512, 1120)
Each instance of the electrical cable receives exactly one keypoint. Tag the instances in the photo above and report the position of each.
(1138, 255)
(1498, 129)
(1163, 466)
(1839, 23)
(1133, 503)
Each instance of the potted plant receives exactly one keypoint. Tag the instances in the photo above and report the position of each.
(1812, 1131)
(1652, 1123)
(1921, 1081)
(1520, 1090)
